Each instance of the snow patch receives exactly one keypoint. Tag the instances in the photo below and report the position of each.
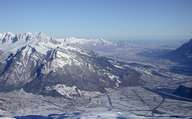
(66, 90)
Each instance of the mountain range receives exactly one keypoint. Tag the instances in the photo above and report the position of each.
(59, 67)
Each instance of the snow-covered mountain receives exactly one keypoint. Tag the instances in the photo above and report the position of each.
(10, 42)
(8, 37)
(44, 65)
(88, 41)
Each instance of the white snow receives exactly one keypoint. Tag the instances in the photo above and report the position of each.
(66, 90)
(143, 70)
(83, 41)
(7, 118)
(117, 66)
(111, 76)
(109, 115)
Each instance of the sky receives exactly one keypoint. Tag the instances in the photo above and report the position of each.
(110, 19)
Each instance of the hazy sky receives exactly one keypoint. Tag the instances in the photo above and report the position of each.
(111, 19)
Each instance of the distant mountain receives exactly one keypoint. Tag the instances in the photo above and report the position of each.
(183, 53)
(43, 65)
(83, 41)
(10, 42)
(182, 56)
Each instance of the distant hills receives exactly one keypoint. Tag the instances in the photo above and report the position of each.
(183, 54)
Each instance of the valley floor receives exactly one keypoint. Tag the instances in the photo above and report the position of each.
(129, 102)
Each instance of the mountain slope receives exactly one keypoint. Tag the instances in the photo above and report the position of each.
(183, 57)
(185, 50)
(183, 53)
(47, 66)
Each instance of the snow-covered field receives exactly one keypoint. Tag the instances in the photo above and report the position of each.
(130, 102)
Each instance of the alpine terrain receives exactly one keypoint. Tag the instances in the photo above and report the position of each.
(43, 77)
